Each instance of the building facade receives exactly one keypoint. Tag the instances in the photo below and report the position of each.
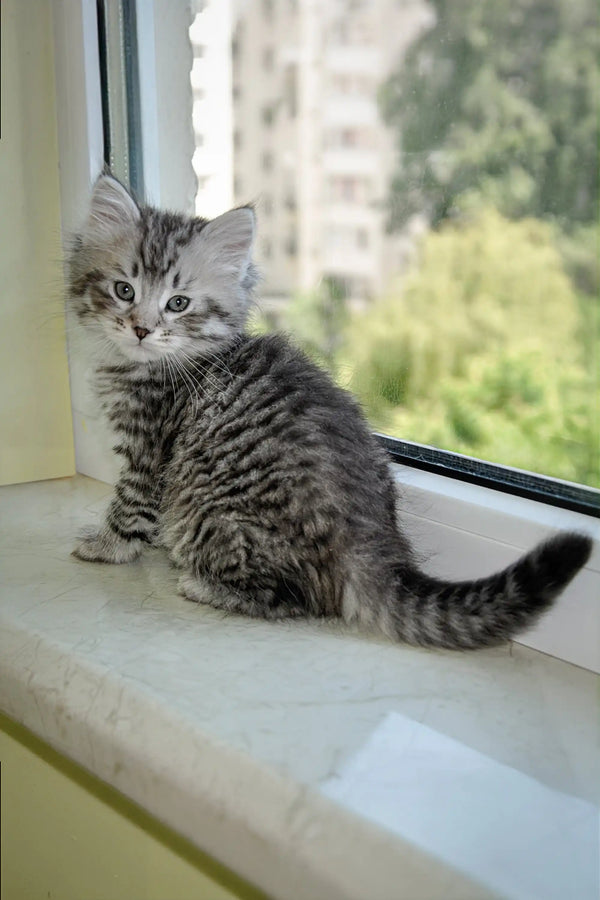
(309, 147)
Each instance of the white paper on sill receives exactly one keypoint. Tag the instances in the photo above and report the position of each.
(509, 832)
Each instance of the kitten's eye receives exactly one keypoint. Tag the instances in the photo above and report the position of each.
(178, 304)
(124, 291)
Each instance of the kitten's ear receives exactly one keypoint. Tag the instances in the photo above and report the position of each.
(112, 209)
(231, 236)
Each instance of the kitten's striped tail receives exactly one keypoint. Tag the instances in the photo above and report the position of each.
(489, 611)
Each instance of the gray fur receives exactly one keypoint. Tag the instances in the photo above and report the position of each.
(241, 457)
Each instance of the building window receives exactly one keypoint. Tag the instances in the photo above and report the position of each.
(268, 115)
(362, 238)
(268, 58)
(291, 90)
(349, 189)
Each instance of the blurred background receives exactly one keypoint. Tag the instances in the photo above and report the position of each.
(426, 183)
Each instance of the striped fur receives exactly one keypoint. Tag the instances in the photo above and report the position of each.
(243, 459)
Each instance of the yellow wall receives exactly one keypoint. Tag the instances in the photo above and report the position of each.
(35, 416)
(67, 836)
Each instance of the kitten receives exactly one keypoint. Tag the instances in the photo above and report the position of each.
(245, 461)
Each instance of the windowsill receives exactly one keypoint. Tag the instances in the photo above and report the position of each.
(466, 531)
(310, 760)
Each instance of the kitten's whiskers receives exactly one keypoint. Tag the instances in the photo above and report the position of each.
(190, 383)
(197, 367)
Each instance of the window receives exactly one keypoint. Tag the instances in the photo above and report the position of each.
(472, 238)
(346, 238)
(349, 138)
(290, 90)
(352, 83)
(268, 58)
(268, 115)
(450, 210)
(350, 189)
(362, 238)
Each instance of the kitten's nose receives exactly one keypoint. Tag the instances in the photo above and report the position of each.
(141, 332)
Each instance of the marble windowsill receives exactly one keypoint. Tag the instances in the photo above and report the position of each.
(312, 761)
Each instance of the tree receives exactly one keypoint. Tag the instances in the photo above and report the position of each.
(318, 319)
(498, 100)
(479, 351)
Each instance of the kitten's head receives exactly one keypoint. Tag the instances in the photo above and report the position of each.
(159, 284)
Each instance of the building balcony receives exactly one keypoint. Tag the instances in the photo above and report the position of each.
(351, 161)
(355, 59)
(360, 215)
(350, 111)
(350, 262)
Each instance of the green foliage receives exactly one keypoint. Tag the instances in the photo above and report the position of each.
(580, 250)
(499, 100)
(317, 320)
(479, 351)
(490, 345)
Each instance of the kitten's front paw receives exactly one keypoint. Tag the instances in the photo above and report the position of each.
(106, 547)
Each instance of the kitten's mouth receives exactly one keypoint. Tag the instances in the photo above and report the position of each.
(140, 351)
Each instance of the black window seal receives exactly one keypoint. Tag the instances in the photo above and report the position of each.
(564, 494)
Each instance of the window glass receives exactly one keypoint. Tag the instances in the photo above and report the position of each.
(426, 184)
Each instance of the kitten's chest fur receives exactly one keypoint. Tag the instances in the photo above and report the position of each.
(251, 440)
(144, 411)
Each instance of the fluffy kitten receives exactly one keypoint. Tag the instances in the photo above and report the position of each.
(259, 475)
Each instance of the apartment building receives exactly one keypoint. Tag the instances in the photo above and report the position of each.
(309, 146)
(212, 111)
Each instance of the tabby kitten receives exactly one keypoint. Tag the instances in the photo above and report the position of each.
(245, 461)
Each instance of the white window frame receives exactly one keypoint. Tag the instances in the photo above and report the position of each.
(461, 529)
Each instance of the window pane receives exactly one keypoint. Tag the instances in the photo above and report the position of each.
(426, 185)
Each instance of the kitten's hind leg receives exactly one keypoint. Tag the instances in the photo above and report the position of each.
(257, 602)
(201, 590)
